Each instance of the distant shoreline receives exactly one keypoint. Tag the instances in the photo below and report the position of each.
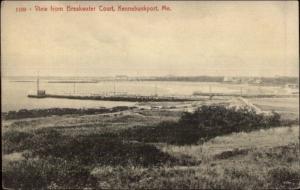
(23, 81)
(219, 79)
(46, 112)
(72, 81)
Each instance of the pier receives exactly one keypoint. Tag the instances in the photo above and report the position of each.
(128, 98)
(115, 96)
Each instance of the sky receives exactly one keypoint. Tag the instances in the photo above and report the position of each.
(195, 38)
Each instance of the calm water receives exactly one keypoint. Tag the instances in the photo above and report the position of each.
(14, 94)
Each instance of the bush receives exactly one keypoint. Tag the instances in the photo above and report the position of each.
(168, 132)
(231, 119)
(205, 123)
(15, 141)
(42, 173)
(97, 149)
(284, 177)
(91, 149)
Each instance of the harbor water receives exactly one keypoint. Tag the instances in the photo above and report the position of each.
(14, 93)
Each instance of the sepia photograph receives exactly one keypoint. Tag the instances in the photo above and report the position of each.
(150, 95)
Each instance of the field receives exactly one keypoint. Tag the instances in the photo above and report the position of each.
(287, 107)
(158, 148)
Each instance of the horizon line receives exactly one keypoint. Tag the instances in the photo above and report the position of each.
(124, 75)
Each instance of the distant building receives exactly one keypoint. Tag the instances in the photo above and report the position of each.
(257, 81)
(249, 80)
(292, 88)
(121, 77)
(232, 79)
(227, 79)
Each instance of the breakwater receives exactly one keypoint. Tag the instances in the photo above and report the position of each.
(128, 98)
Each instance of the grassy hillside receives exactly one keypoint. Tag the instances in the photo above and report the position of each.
(214, 147)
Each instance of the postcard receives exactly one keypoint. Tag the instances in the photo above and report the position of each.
(150, 94)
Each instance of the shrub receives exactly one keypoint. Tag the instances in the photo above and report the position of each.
(41, 173)
(232, 118)
(205, 123)
(283, 176)
(15, 141)
(101, 150)
(91, 149)
(169, 132)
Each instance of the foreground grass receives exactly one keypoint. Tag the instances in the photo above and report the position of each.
(46, 157)
(258, 169)
(236, 142)
(184, 154)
